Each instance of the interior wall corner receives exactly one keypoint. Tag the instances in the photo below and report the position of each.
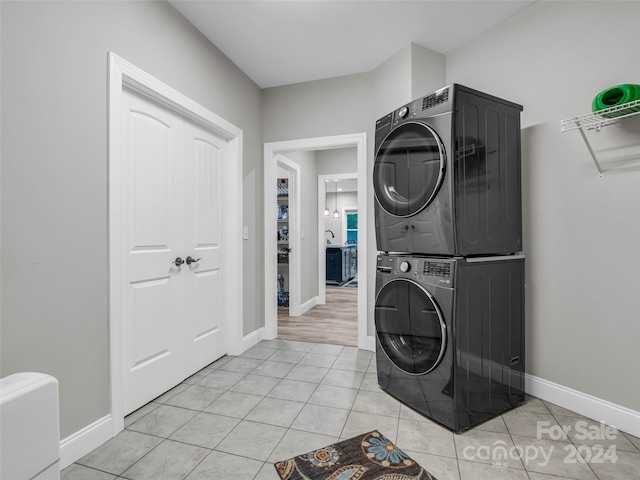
(428, 70)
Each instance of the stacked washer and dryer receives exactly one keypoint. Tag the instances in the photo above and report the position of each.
(449, 311)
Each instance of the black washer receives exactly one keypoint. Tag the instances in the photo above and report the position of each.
(410, 326)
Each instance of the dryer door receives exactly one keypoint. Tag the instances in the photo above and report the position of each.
(410, 326)
(408, 169)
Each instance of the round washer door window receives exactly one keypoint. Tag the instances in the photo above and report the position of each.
(408, 170)
(410, 326)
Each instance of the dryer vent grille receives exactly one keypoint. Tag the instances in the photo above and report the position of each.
(435, 99)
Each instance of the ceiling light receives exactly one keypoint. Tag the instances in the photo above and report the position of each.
(326, 207)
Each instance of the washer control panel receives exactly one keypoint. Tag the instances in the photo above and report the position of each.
(437, 269)
(432, 270)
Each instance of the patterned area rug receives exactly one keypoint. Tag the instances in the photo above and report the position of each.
(371, 456)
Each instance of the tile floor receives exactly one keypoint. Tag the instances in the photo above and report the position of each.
(236, 417)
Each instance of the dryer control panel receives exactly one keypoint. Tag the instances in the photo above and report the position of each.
(438, 102)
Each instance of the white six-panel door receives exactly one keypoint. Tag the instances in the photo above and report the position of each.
(170, 210)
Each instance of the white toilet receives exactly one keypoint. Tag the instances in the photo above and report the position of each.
(29, 427)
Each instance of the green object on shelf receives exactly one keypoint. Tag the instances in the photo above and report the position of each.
(614, 96)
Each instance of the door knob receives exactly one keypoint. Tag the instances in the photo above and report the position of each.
(191, 260)
(178, 261)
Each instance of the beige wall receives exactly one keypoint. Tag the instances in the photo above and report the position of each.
(337, 160)
(581, 234)
(427, 71)
(54, 177)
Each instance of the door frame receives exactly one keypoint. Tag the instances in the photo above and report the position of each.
(322, 244)
(295, 283)
(271, 149)
(123, 74)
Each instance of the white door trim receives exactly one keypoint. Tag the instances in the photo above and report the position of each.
(271, 149)
(124, 74)
(295, 283)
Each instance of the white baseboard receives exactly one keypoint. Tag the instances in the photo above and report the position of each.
(78, 444)
(622, 418)
(369, 344)
(250, 340)
(308, 305)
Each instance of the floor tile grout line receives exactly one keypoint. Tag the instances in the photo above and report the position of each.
(266, 396)
(143, 456)
(575, 445)
(514, 443)
(627, 436)
(244, 419)
(318, 384)
(289, 428)
(263, 396)
(196, 466)
(529, 471)
(164, 439)
(245, 374)
(582, 417)
(99, 469)
(455, 447)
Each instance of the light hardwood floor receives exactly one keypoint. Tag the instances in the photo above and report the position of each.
(336, 322)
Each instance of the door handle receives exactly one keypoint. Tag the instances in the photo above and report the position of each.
(178, 261)
(191, 260)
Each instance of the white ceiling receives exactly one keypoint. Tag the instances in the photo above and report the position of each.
(284, 42)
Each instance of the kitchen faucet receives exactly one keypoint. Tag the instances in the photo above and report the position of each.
(332, 236)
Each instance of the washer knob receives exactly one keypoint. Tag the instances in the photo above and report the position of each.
(403, 112)
(405, 266)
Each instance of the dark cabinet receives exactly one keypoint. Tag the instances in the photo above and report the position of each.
(342, 263)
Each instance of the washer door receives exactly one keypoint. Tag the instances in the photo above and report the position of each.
(410, 326)
(408, 170)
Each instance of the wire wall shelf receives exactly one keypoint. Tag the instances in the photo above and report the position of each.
(601, 118)
(597, 120)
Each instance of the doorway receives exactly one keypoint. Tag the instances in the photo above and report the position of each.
(123, 77)
(334, 227)
(288, 233)
(271, 150)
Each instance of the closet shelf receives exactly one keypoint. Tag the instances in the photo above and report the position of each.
(597, 120)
